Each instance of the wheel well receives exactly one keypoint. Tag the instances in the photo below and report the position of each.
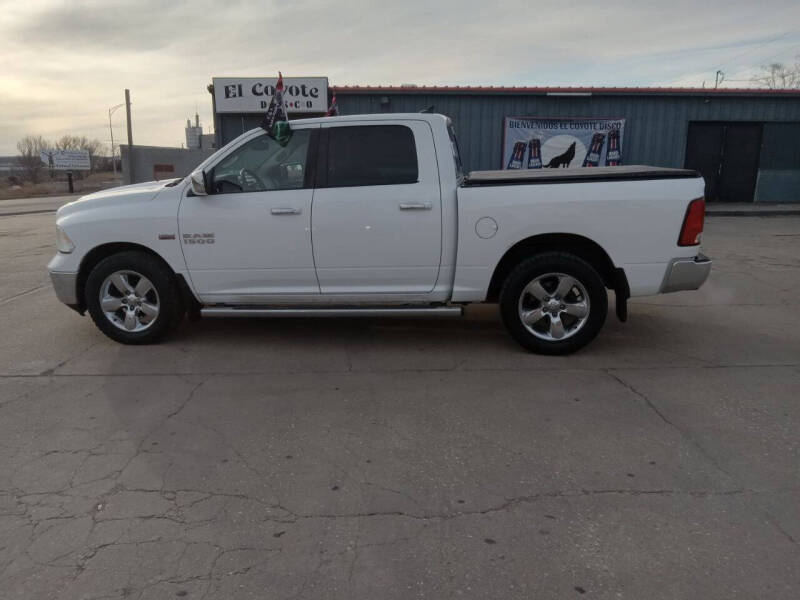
(95, 255)
(580, 246)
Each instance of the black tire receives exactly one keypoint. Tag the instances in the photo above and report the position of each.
(512, 300)
(170, 304)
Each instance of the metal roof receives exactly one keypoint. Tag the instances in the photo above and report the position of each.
(562, 91)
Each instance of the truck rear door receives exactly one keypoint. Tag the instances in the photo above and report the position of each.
(377, 214)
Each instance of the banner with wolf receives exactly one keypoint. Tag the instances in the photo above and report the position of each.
(539, 143)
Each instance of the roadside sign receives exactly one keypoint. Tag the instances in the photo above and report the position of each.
(66, 160)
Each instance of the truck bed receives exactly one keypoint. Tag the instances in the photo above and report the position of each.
(575, 175)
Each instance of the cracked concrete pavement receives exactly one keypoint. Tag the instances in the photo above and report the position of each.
(402, 459)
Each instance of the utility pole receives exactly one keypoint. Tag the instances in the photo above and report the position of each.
(130, 135)
(719, 77)
(111, 129)
(217, 127)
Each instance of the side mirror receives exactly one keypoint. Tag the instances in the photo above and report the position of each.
(198, 181)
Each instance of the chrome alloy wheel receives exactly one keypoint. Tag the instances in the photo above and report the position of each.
(554, 306)
(129, 300)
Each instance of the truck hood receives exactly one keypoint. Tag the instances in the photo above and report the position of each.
(126, 194)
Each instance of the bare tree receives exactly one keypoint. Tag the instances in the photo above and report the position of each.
(68, 142)
(95, 148)
(778, 76)
(29, 159)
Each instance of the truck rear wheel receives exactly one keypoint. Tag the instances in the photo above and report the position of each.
(553, 303)
(133, 298)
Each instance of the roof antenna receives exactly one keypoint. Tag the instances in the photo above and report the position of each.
(428, 110)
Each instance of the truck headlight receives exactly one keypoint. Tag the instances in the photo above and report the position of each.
(63, 243)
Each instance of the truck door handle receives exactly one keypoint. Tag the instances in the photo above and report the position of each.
(416, 206)
(285, 211)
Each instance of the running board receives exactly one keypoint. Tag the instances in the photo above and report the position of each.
(434, 311)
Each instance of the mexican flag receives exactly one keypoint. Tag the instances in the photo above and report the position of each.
(275, 122)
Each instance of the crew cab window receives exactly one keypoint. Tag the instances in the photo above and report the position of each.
(371, 155)
(263, 165)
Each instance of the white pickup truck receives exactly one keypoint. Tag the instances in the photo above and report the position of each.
(371, 215)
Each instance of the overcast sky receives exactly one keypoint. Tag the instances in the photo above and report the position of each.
(64, 63)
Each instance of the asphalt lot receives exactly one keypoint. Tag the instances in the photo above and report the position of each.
(407, 459)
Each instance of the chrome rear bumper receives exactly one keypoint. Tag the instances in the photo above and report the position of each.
(686, 274)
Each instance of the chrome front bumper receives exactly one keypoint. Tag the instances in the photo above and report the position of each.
(686, 274)
(66, 287)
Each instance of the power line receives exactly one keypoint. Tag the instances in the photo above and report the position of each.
(765, 62)
(749, 50)
(791, 49)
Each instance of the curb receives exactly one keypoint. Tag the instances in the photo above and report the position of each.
(27, 212)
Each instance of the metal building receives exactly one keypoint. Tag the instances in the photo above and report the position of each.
(746, 142)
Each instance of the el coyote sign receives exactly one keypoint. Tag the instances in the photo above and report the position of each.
(253, 94)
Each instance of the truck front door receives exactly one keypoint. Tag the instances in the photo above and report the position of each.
(377, 215)
(250, 238)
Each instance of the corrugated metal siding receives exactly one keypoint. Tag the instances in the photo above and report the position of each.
(655, 127)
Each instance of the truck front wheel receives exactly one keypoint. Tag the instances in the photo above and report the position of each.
(132, 298)
(553, 303)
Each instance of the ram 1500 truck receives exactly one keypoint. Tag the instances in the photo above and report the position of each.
(371, 215)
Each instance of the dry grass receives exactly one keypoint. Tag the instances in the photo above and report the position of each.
(58, 186)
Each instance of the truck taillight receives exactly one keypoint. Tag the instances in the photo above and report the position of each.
(693, 223)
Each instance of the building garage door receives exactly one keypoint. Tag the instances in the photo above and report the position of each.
(727, 156)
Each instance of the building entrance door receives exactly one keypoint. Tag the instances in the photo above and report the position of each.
(727, 156)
